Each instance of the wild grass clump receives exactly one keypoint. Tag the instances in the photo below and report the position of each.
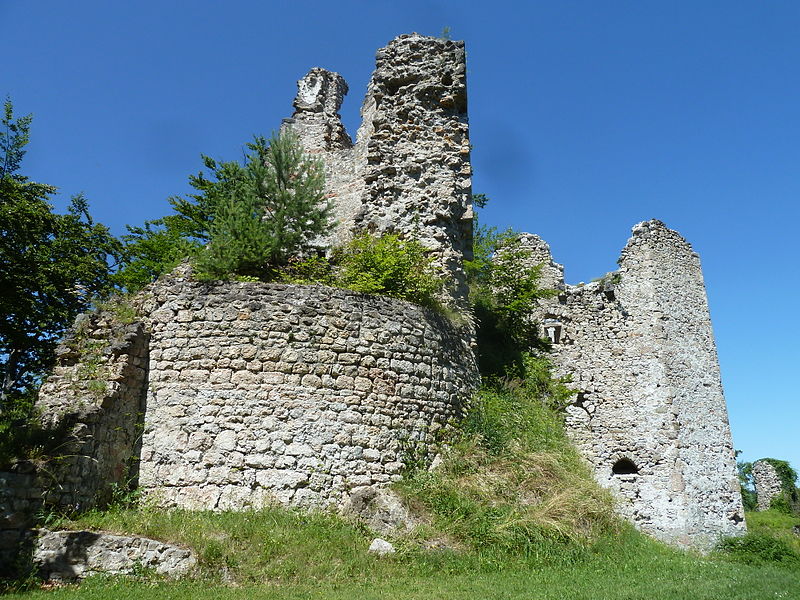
(512, 484)
(776, 524)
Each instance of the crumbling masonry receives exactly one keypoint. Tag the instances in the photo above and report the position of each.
(650, 415)
(233, 395)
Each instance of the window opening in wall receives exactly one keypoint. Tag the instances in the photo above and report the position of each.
(552, 329)
(624, 466)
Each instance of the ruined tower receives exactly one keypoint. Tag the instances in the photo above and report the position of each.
(650, 415)
(409, 171)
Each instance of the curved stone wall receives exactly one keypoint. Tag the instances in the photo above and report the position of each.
(263, 392)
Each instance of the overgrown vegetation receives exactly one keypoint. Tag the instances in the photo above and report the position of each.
(510, 485)
(390, 266)
(260, 220)
(504, 287)
(52, 267)
(788, 501)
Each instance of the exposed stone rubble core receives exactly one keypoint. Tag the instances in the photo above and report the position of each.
(70, 555)
(650, 415)
(317, 122)
(381, 510)
(409, 171)
(767, 483)
(298, 394)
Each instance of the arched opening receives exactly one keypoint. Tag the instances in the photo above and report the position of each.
(624, 466)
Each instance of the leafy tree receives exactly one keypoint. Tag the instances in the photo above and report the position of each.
(246, 219)
(744, 471)
(52, 266)
(502, 293)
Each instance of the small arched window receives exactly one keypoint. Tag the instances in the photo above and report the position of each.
(624, 466)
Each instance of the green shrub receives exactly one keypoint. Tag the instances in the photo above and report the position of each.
(503, 293)
(315, 269)
(390, 266)
(269, 210)
(758, 548)
(245, 220)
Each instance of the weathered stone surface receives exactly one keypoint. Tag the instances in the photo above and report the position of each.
(767, 483)
(649, 415)
(309, 396)
(381, 510)
(288, 393)
(92, 405)
(381, 547)
(69, 555)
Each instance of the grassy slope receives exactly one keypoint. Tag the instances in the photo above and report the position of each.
(637, 570)
(775, 524)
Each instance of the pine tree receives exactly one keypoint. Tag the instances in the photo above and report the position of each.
(246, 219)
(272, 210)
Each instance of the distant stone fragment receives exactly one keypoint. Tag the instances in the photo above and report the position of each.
(767, 483)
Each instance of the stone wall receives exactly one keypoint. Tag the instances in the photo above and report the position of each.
(91, 408)
(297, 394)
(767, 483)
(70, 555)
(409, 171)
(649, 415)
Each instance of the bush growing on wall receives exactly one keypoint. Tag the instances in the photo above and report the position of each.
(502, 293)
(390, 266)
(270, 212)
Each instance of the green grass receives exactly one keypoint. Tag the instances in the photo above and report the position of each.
(511, 487)
(637, 569)
(776, 524)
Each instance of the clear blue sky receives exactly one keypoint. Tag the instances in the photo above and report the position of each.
(586, 118)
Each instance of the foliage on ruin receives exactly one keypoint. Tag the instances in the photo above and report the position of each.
(391, 266)
(245, 219)
(502, 293)
(52, 267)
(510, 482)
(788, 501)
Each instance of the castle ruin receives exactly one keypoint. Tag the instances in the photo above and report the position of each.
(231, 395)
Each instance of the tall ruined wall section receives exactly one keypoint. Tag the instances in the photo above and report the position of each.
(300, 394)
(316, 121)
(650, 415)
(409, 171)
